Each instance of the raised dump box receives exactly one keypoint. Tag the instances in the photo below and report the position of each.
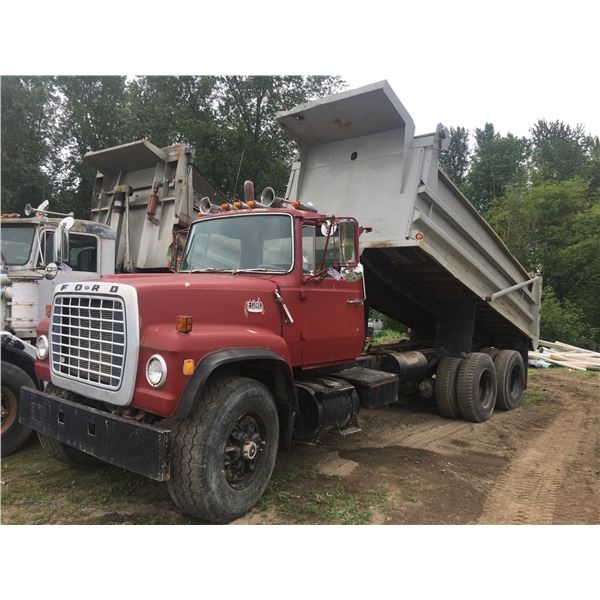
(148, 196)
(429, 254)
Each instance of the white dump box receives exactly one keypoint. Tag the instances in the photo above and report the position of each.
(428, 248)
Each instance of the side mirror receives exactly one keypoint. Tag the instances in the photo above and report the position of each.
(353, 273)
(61, 240)
(51, 270)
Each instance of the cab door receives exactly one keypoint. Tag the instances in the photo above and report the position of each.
(332, 292)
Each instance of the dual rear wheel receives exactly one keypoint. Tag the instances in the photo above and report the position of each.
(471, 387)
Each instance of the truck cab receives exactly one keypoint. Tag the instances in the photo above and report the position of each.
(29, 274)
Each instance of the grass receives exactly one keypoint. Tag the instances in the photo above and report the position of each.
(532, 395)
(303, 496)
(37, 489)
(389, 335)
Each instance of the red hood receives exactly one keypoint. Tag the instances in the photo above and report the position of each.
(214, 298)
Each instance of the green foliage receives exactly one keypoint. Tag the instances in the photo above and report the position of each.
(560, 151)
(455, 161)
(564, 320)
(29, 106)
(498, 161)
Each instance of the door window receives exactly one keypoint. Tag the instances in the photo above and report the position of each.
(318, 254)
(83, 251)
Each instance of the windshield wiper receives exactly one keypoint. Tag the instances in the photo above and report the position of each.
(210, 270)
(259, 270)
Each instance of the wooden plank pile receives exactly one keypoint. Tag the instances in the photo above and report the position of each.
(565, 355)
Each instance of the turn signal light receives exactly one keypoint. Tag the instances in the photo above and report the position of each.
(188, 366)
(183, 324)
(48, 310)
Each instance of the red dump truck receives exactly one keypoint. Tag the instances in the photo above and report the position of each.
(198, 378)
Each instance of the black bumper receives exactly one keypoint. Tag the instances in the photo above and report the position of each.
(125, 443)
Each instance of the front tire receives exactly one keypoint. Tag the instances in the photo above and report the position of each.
(476, 387)
(224, 453)
(14, 435)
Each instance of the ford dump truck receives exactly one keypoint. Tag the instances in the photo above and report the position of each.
(142, 205)
(198, 378)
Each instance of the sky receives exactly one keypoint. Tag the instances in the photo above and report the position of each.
(456, 62)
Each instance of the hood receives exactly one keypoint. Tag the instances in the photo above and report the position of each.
(218, 299)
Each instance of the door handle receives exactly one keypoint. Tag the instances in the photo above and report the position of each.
(356, 302)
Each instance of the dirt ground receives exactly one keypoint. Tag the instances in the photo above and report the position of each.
(537, 464)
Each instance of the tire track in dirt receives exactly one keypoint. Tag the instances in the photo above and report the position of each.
(528, 491)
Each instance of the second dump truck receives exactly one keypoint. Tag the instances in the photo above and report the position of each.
(197, 378)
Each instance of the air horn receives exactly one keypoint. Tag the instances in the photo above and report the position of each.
(29, 210)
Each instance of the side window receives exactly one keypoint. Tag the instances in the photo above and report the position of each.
(83, 251)
(318, 253)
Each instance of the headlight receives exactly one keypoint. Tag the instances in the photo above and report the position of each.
(156, 370)
(41, 347)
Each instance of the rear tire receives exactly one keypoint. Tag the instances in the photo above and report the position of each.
(476, 387)
(62, 452)
(224, 453)
(510, 374)
(445, 387)
(14, 435)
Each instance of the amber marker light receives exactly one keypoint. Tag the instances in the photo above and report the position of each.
(48, 310)
(225, 206)
(295, 204)
(183, 323)
(237, 205)
(188, 366)
(251, 203)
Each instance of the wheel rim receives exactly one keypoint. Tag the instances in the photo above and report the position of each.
(486, 389)
(244, 450)
(9, 409)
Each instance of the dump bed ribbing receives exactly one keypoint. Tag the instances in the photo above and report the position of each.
(428, 247)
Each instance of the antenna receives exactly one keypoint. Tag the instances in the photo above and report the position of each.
(239, 169)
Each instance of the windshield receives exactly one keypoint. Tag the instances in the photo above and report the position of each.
(16, 244)
(255, 243)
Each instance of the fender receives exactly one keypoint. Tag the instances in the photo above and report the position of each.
(195, 386)
(19, 353)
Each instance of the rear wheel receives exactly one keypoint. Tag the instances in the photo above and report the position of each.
(14, 435)
(510, 374)
(476, 387)
(445, 387)
(224, 453)
(62, 452)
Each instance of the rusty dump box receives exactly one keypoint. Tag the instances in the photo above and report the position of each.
(427, 247)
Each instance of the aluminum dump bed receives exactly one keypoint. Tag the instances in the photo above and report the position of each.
(145, 241)
(428, 246)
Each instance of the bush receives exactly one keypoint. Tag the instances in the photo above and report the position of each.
(564, 321)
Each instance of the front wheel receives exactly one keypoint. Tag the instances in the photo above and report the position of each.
(224, 453)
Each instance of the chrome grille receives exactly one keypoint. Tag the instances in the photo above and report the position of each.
(88, 339)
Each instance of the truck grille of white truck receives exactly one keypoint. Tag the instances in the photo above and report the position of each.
(89, 339)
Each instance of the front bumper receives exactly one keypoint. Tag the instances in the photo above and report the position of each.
(125, 443)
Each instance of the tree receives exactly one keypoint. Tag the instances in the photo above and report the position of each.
(92, 116)
(552, 229)
(29, 106)
(455, 161)
(247, 107)
(560, 151)
(498, 161)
